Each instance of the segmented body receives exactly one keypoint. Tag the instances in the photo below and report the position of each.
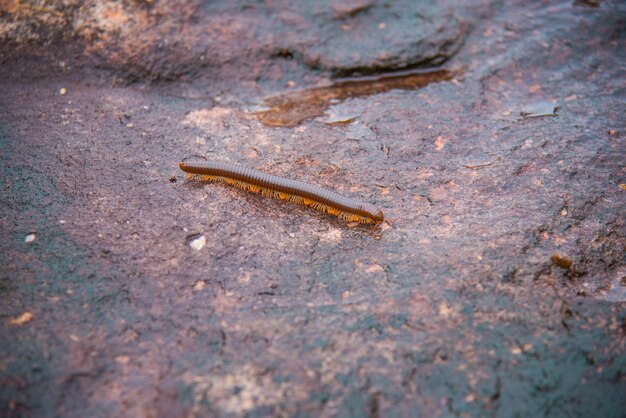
(284, 189)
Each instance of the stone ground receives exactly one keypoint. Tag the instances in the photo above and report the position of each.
(497, 287)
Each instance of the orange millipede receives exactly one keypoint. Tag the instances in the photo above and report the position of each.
(284, 189)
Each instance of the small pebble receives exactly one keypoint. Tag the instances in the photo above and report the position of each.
(198, 243)
(29, 238)
(122, 359)
(22, 319)
(444, 310)
(539, 109)
(63, 91)
(340, 119)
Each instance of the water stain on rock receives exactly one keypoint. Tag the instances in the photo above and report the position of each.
(288, 110)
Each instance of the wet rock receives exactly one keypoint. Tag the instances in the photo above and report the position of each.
(288, 110)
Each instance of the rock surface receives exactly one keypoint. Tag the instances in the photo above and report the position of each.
(496, 288)
(146, 40)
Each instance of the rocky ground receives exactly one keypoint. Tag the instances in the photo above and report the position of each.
(496, 287)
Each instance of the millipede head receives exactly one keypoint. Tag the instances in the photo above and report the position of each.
(379, 217)
(373, 212)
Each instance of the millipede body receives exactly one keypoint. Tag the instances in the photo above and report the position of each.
(284, 189)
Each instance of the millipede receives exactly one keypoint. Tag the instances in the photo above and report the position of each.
(281, 188)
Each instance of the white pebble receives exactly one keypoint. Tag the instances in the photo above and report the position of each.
(198, 243)
(29, 238)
